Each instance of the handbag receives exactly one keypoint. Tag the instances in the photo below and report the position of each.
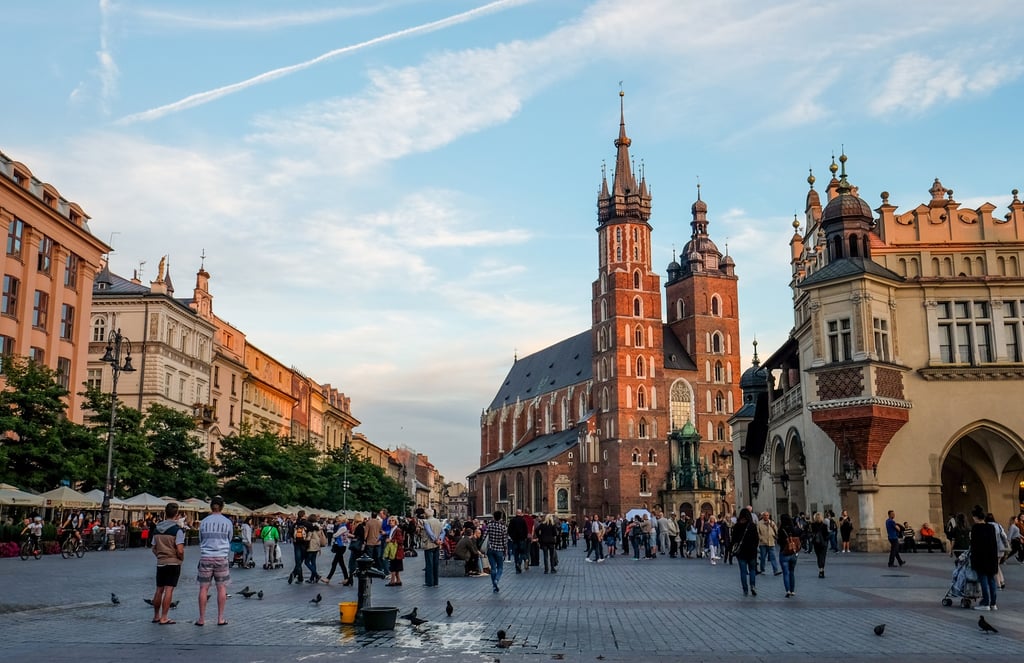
(390, 550)
(791, 545)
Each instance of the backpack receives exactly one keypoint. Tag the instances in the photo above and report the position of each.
(300, 533)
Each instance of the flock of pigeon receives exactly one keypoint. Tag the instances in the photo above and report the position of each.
(503, 640)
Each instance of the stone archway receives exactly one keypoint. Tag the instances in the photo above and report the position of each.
(795, 470)
(983, 464)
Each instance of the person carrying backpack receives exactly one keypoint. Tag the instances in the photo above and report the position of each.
(300, 544)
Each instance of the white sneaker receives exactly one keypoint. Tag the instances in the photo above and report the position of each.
(712, 562)
(982, 607)
(992, 607)
(589, 560)
(600, 560)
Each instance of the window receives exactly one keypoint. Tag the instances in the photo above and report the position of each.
(645, 489)
(232, 385)
(40, 305)
(716, 306)
(635, 456)
(94, 378)
(716, 343)
(719, 403)
(965, 332)
(881, 329)
(231, 415)
(639, 367)
(216, 377)
(67, 322)
(637, 310)
(71, 271)
(636, 280)
(638, 337)
(840, 341)
(10, 296)
(38, 355)
(618, 244)
(99, 330)
(181, 390)
(721, 432)
(15, 233)
(64, 372)
(652, 457)
(718, 371)
(1012, 329)
(167, 385)
(45, 255)
(679, 405)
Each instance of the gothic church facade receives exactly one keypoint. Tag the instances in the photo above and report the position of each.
(593, 423)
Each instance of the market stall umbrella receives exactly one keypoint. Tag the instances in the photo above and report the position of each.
(68, 498)
(145, 501)
(632, 513)
(97, 494)
(14, 497)
(236, 509)
(273, 509)
(193, 504)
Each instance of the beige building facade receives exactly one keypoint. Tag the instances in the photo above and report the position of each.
(898, 386)
(171, 346)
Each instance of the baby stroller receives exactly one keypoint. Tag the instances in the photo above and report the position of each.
(965, 584)
(238, 554)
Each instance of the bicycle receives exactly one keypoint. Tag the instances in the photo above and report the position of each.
(72, 546)
(28, 550)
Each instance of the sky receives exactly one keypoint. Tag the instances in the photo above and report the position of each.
(397, 197)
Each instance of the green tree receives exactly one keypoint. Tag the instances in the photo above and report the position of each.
(249, 465)
(179, 468)
(33, 416)
(370, 488)
(132, 457)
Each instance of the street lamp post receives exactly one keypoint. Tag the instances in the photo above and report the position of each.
(116, 343)
(345, 450)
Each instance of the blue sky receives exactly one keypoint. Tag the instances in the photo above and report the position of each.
(395, 196)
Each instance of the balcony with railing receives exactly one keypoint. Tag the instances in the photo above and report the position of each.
(790, 402)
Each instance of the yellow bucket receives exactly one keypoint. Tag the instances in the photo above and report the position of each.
(347, 612)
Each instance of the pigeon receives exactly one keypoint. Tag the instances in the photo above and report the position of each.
(416, 621)
(319, 597)
(174, 604)
(247, 594)
(501, 634)
(148, 601)
(880, 629)
(504, 644)
(985, 626)
(411, 615)
(114, 599)
(449, 608)
(259, 595)
(244, 590)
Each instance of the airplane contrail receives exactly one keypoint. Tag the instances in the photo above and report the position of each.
(201, 98)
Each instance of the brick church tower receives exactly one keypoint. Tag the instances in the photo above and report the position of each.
(703, 313)
(627, 336)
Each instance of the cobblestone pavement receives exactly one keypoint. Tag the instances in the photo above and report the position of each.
(621, 610)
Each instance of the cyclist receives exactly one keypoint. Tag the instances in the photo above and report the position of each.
(34, 529)
(73, 525)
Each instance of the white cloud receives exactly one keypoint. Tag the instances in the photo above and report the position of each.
(917, 82)
(168, 19)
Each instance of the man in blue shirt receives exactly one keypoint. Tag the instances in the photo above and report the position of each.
(894, 532)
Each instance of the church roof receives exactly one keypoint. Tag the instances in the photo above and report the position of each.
(846, 268)
(538, 450)
(118, 285)
(560, 365)
(676, 356)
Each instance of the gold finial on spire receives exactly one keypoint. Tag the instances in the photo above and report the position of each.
(833, 168)
(755, 361)
(810, 177)
(796, 222)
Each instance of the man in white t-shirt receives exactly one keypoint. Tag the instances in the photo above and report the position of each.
(215, 532)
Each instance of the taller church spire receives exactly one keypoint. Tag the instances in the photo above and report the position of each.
(626, 199)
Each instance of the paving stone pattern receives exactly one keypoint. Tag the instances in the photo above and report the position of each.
(651, 610)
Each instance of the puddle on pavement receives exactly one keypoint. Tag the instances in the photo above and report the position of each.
(447, 635)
